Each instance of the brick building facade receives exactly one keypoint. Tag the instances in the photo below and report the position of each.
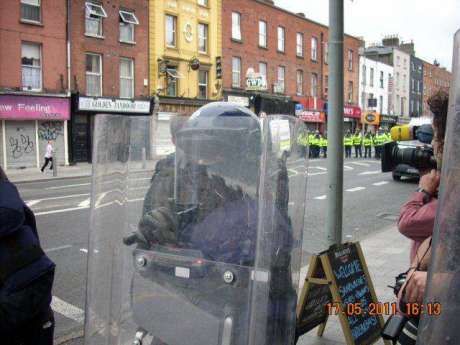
(34, 103)
(109, 65)
(435, 78)
(286, 52)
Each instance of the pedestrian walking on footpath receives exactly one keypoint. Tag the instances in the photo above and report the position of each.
(368, 145)
(348, 144)
(357, 143)
(48, 156)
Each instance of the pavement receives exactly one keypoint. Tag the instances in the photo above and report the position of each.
(34, 174)
(371, 206)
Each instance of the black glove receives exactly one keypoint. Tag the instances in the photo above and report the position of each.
(159, 226)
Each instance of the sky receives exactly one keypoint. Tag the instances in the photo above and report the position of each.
(429, 25)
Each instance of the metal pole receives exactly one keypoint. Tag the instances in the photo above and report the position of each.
(335, 124)
(144, 158)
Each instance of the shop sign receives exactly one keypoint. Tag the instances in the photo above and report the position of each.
(113, 105)
(370, 118)
(388, 118)
(256, 83)
(299, 108)
(352, 111)
(34, 108)
(311, 116)
(242, 101)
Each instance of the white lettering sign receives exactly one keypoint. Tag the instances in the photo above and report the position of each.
(243, 101)
(116, 105)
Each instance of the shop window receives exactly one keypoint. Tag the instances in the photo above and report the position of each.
(127, 22)
(31, 66)
(30, 11)
(93, 75)
(94, 15)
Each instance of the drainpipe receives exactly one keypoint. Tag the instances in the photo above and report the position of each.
(68, 34)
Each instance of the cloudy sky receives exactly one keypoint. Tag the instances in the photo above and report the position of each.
(430, 24)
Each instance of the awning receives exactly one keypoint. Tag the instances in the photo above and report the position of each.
(312, 116)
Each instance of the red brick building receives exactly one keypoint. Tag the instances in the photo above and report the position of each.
(435, 78)
(274, 55)
(109, 59)
(34, 103)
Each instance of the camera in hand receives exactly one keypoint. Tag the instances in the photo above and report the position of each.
(395, 323)
(421, 158)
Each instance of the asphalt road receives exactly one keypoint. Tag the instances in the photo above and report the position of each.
(371, 203)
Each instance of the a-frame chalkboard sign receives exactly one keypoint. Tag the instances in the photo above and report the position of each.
(338, 282)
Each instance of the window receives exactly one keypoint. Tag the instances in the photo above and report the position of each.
(203, 2)
(314, 49)
(299, 83)
(93, 75)
(326, 53)
(381, 104)
(411, 106)
(236, 26)
(127, 22)
(364, 80)
(404, 82)
(413, 67)
(172, 80)
(350, 61)
(350, 91)
(203, 38)
(314, 85)
(398, 104)
(30, 10)
(371, 81)
(419, 87)
(281, 38)
(263, 71)
(405, 63)
(236, 72)
(203, 84)
(31, 66)
(398, 61)
(126, 78)
(281, 75)
(299, 49)
(381, 79)
(171, 30)
(93, 19)
(262, 34)
(413, 85)
(397, 80)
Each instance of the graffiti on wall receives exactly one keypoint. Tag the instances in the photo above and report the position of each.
(20, 145)
(50, 130)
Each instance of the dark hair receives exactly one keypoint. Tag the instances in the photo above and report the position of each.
(439, 105)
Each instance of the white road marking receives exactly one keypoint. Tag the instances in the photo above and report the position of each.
(377, 161)
(84, 250)
(346, 167)
(68, 310)
(380, 183)
(60, 211)
(321, 197)
(49, 250)
(318, 173)
(356, 189)
(374, 172)
(100, 197)
(85, 203)
(70, 186)
(31, 203)
(59, 198)
(293, 172)
(360, 164)
(319, 168)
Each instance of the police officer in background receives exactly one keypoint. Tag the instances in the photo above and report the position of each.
(368, 142)
(379, 140)
(348, 144)
(26, 274)
(357, 143)
(323, 145)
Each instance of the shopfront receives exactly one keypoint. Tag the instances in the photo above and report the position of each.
(314, 120)
(27, 124)
(81, 126)
(351, 117)
(261, 102)
(371, 121)
(388, 121)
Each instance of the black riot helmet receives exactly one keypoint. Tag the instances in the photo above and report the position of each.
(220, 131)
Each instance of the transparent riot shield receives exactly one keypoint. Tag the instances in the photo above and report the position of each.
(210, 254)
(441, 309)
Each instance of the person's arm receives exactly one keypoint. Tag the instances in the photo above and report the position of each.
(417, 215)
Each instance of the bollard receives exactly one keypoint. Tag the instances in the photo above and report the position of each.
(55, 165)
(144, 158)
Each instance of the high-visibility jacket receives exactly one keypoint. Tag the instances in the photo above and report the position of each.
(388, 138)
(323, 142)
(311, 139)
(379, 139)
(302, 139)
(315, 141)
(357, 139)
(367, 141)
(348, 140)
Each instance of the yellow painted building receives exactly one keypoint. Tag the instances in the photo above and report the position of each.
(185, 45)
